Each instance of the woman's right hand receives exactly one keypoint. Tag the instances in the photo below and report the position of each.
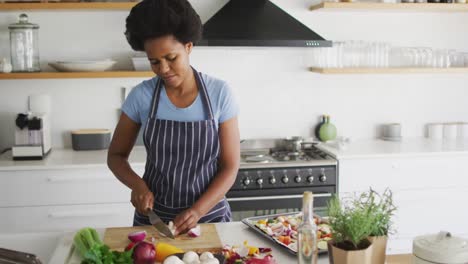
(142, 198)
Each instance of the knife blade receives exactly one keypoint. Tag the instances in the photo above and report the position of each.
(159, 224)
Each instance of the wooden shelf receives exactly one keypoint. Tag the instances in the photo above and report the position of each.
(76, 75)
(387, 70)
(68, 5)
(412, 7)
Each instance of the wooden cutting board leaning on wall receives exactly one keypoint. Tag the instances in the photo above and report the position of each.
(117, 238)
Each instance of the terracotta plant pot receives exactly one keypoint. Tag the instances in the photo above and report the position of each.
(342, 256)
(379, 249)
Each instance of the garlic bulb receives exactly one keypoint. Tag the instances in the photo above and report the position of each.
(5, 66)
(205, 256)
(173, 260)
(191, 257)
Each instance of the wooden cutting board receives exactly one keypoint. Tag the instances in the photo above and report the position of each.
(117, 238)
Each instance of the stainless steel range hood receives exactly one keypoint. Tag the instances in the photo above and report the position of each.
(257, 23)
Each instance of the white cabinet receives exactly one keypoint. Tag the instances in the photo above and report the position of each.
(401, 173)
(429, 191)
(63, 199)
(66, 186)
(64, 218)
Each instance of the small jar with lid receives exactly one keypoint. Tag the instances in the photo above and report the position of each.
(24, 45)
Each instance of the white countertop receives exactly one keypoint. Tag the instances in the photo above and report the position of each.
(69, 159)
(55, 247)
(378, 148)
(363, 148)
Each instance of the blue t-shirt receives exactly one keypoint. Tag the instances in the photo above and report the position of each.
(138, 103)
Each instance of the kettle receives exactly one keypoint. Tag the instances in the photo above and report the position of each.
(440, 248)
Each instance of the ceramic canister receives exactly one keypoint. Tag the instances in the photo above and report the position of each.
(435, 131)
(463, 130)
(440, 248)
(450, 130)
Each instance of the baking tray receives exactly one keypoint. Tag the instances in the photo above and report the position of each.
(248, 221)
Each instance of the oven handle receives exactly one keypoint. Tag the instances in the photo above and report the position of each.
(275, 197)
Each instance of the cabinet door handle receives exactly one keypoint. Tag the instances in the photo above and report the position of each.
(68, 214)
(79, 178)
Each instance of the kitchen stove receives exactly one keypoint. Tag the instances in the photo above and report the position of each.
(272, 178)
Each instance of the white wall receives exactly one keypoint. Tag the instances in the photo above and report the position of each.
(277, 95)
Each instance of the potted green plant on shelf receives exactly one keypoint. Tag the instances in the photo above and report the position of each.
(355, 223)
(380, 208)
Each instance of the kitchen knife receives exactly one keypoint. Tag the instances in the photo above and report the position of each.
(159, 224)
(17, 257)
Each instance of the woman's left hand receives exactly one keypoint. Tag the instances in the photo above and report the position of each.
(186, 220)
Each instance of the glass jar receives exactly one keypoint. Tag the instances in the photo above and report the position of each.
(24, 45)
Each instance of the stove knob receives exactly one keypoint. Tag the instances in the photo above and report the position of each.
(285, 179)
(260, 181)
(298, 179)
(272, 180)
(323, 178)
(246, 181)
(310, 179)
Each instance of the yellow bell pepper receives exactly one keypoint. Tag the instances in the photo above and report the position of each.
(252, 250)
(163, 250)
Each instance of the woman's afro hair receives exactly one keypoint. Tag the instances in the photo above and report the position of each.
(156, 18)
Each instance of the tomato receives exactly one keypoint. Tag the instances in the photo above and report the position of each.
(285, 240)
(129, 246)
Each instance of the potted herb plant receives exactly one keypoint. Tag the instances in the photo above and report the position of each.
(351, 227)
(380, 209)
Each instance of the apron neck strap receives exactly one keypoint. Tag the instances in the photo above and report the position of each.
(201, 89)
(203, 93)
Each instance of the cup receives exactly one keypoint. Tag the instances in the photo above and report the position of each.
(435, 131)
(391, 131)
(450, 130)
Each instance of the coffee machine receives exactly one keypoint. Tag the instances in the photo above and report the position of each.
(33, 138)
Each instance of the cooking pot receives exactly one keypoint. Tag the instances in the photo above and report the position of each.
(440, 248)
(293, 144)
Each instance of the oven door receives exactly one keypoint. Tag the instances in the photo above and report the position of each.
(248, 203)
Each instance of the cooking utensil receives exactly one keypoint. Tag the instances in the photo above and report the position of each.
(159, 224)
(293, 144)
(250, 222)
(440, 248)
(13, 256)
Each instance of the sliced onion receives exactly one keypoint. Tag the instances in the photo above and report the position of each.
(195, 232)
(137, 236)
(269, 231)
(243, 251)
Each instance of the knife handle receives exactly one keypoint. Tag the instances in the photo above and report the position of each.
(13, 256)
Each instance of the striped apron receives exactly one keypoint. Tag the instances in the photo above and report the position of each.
(182, 159)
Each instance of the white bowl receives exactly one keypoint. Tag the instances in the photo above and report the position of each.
(141, 64)
(83, 66)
